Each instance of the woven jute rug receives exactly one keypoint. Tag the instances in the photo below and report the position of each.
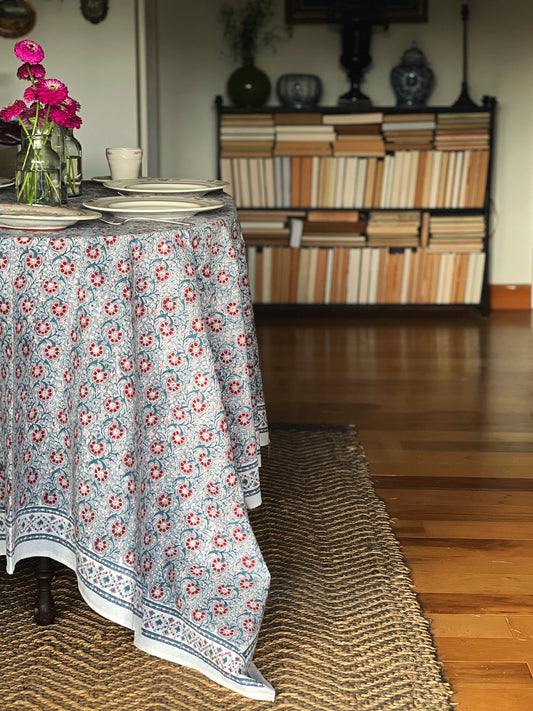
(343, 629)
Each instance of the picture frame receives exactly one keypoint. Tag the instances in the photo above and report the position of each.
(315, 11)
(17, 18)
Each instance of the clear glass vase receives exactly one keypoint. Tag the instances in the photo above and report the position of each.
(73, 175)
(38, 171)
(58, 144)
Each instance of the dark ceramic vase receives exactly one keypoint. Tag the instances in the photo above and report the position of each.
(299, 91)
(412, 79)
(248, 87)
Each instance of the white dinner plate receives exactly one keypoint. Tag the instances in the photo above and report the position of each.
(166, 186)
(7, 182)
(41, 217)
(101, 178)
(146, 206)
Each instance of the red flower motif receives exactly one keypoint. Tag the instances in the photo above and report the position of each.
(151, 420)
(111, 406)
(97, 279)
(164, 501)
(92, 252)
(164, 247)
(100, 474)
(116, 502)
(129, 390)
(156, 473)
(192, 589)
(96, 350)
(50, 498)
(166, 330)
(161, 272)
(99, 376)
(87, 515)
(163, 525)
(58, 309)
(114, 335)
(84, 488)
(111, 308)
(43, 329)
(184, 491)
(220, 541)
(67, 268)
(213, 512)
(199, 615)
(44, 394)
(190, 294)
(99, 544)
(213, 489)
(115, 431)
(118, 529)
(50, 286)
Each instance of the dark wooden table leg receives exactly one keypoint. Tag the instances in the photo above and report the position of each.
(44, 612)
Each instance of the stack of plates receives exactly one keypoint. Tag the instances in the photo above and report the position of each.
(41, 217)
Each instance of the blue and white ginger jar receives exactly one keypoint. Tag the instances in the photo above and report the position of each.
(412, 79)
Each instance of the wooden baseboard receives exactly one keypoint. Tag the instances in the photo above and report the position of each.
(510, 297)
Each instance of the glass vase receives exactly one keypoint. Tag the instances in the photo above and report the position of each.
(57, 142)
(73, 152)
(38, 171)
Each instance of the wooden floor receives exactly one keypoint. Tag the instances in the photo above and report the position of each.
(444, 407)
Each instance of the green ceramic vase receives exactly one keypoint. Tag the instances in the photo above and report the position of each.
(248, 87)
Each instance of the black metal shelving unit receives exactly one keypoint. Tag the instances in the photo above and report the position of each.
(489, 105)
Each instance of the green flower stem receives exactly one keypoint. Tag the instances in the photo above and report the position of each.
(71, 175)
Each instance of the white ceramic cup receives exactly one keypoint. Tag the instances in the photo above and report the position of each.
(124, 163)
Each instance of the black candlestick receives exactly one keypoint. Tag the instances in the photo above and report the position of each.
(464, 102)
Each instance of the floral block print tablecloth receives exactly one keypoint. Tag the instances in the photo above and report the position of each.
(132, 415)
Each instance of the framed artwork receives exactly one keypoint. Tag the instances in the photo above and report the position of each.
(17, 18)
(316, 11)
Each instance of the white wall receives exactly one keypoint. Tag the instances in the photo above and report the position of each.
(98, 64)
(193, 69)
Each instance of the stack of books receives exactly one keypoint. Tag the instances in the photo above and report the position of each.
(459, 233)
(458, 132)
(393, 229)
(409, 131)
(250, 135)
(357, 134)
(303, 140)
(333, 233)
(269, 227)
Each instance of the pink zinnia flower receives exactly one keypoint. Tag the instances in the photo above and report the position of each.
(30, 113)
(70, 105)
(37, 71)
(58, 115)
(13, 110)
(51, 91)
(29, 95)
(73, 121)
(28, 51)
